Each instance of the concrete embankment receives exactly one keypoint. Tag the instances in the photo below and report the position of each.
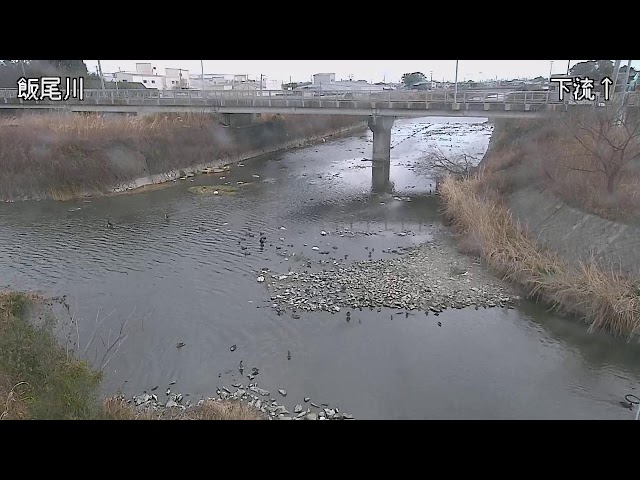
(579, 263)
(276, 147)
(66, 157)
(577, 235)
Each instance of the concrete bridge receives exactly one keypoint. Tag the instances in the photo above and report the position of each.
(468, 103)
(381, 107)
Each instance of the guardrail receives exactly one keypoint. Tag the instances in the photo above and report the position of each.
(197, 96)
(288, 98)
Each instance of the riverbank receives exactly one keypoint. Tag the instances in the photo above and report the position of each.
(603, 299)
(40, 379)
(67, 157)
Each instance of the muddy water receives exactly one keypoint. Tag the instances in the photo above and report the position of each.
(188, 280)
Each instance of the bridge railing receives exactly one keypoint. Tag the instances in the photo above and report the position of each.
(302, 98)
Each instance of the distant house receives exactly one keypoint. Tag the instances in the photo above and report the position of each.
(147, 74)
(323, 78)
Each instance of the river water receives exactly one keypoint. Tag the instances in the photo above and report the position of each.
(188, 280)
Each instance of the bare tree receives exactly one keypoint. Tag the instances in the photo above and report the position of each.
(110, 345)
(610, 140)
(461, 165)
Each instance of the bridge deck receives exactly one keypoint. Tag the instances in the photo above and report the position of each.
(391, 103)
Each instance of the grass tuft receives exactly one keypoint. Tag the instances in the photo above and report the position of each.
(117, 408)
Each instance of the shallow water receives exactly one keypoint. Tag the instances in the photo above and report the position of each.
(187, 279)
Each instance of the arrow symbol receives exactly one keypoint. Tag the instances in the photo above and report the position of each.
(607, 82)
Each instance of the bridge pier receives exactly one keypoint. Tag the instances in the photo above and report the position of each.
(380, 182)
(381, 157)
(381, 128)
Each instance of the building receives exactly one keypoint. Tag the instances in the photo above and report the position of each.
(323, 78)
(341, 86)
(147, 74)
(228, 81)
(217, 81)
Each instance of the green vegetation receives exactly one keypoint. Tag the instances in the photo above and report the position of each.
(38, 378)
(411, 78)
(593, 69)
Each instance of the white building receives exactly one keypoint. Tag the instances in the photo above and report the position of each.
(359, 86)
(147, 74)
(228, 81)
(323, 78)
(217, 81)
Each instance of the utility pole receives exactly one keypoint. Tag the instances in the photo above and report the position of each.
(550, 71)
(101, 77)
(455, 92)
(626, 81)
(202, 72)
(260, 84)
(616, 71)
(568, 67)
(22, 65)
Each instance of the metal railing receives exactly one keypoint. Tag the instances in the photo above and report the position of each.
(288, 98)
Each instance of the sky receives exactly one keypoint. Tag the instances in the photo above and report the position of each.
(370, 70)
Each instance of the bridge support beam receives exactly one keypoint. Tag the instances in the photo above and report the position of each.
(381, 128)
(381, 158)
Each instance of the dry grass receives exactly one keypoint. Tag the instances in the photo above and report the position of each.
(60, 156)
(116, 408)
(13, 399)
(605, 300)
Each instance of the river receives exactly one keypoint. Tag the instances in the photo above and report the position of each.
(187, 280)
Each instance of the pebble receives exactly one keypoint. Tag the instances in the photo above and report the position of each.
(282, 392)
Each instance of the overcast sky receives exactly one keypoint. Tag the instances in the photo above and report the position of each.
(370, 70)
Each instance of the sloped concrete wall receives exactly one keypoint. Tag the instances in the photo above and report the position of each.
(574, 234)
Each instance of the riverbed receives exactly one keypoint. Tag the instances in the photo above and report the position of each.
(186, 289)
